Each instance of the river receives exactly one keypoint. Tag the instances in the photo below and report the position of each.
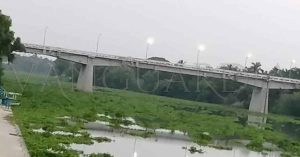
(124, 146)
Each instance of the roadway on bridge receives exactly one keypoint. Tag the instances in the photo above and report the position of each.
(11, 145)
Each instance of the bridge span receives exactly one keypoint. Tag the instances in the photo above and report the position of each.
(261, 83)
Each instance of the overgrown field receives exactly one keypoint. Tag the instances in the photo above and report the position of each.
(44, 100)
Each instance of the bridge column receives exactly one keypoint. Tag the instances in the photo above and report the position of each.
(259, 100)
(85, 78)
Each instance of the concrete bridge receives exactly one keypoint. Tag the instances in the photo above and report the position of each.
(261, 83)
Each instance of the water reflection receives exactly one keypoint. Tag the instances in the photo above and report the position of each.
(122, 146)
(159, 133)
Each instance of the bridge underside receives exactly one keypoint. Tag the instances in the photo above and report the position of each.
(259, 99)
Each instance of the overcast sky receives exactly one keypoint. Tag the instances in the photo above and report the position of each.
(269, 29)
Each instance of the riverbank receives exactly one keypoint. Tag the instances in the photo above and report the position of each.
(11, 143)
(43, 103)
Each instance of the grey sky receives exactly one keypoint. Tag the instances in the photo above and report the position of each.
(270, 29)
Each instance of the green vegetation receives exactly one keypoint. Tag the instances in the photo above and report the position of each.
(42, 103)
(289, 104)
(172, 85)
(256, 143)
(144, 134)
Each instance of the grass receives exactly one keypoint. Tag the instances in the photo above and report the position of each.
(42, 103)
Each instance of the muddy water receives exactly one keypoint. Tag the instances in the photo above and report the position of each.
(124, 146)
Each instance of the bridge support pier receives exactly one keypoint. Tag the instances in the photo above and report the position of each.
(85, 78)
(259, 100)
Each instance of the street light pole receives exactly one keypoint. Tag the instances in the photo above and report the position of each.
(198, 58)
(246, 60)
(147, 49)
(292, 63)
(291, 66)
(44, 40)
(98, 39)
(150, 41)
(201, 48)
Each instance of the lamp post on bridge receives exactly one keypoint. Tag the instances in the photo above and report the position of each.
(150, 41)
(98, 40)
(201, 48)
(249, 55)
(44, 39)
(293, 62)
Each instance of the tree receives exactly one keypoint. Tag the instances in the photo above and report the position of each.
(275, 71)
(6, 35)
(8, 43)
(256, 68)
(16, 46)
(288, 104)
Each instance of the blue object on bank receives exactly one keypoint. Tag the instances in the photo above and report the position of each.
(8, 98)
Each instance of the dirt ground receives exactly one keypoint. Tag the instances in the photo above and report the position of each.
(11, 144)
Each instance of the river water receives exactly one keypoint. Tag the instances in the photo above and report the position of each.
(125, 146)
